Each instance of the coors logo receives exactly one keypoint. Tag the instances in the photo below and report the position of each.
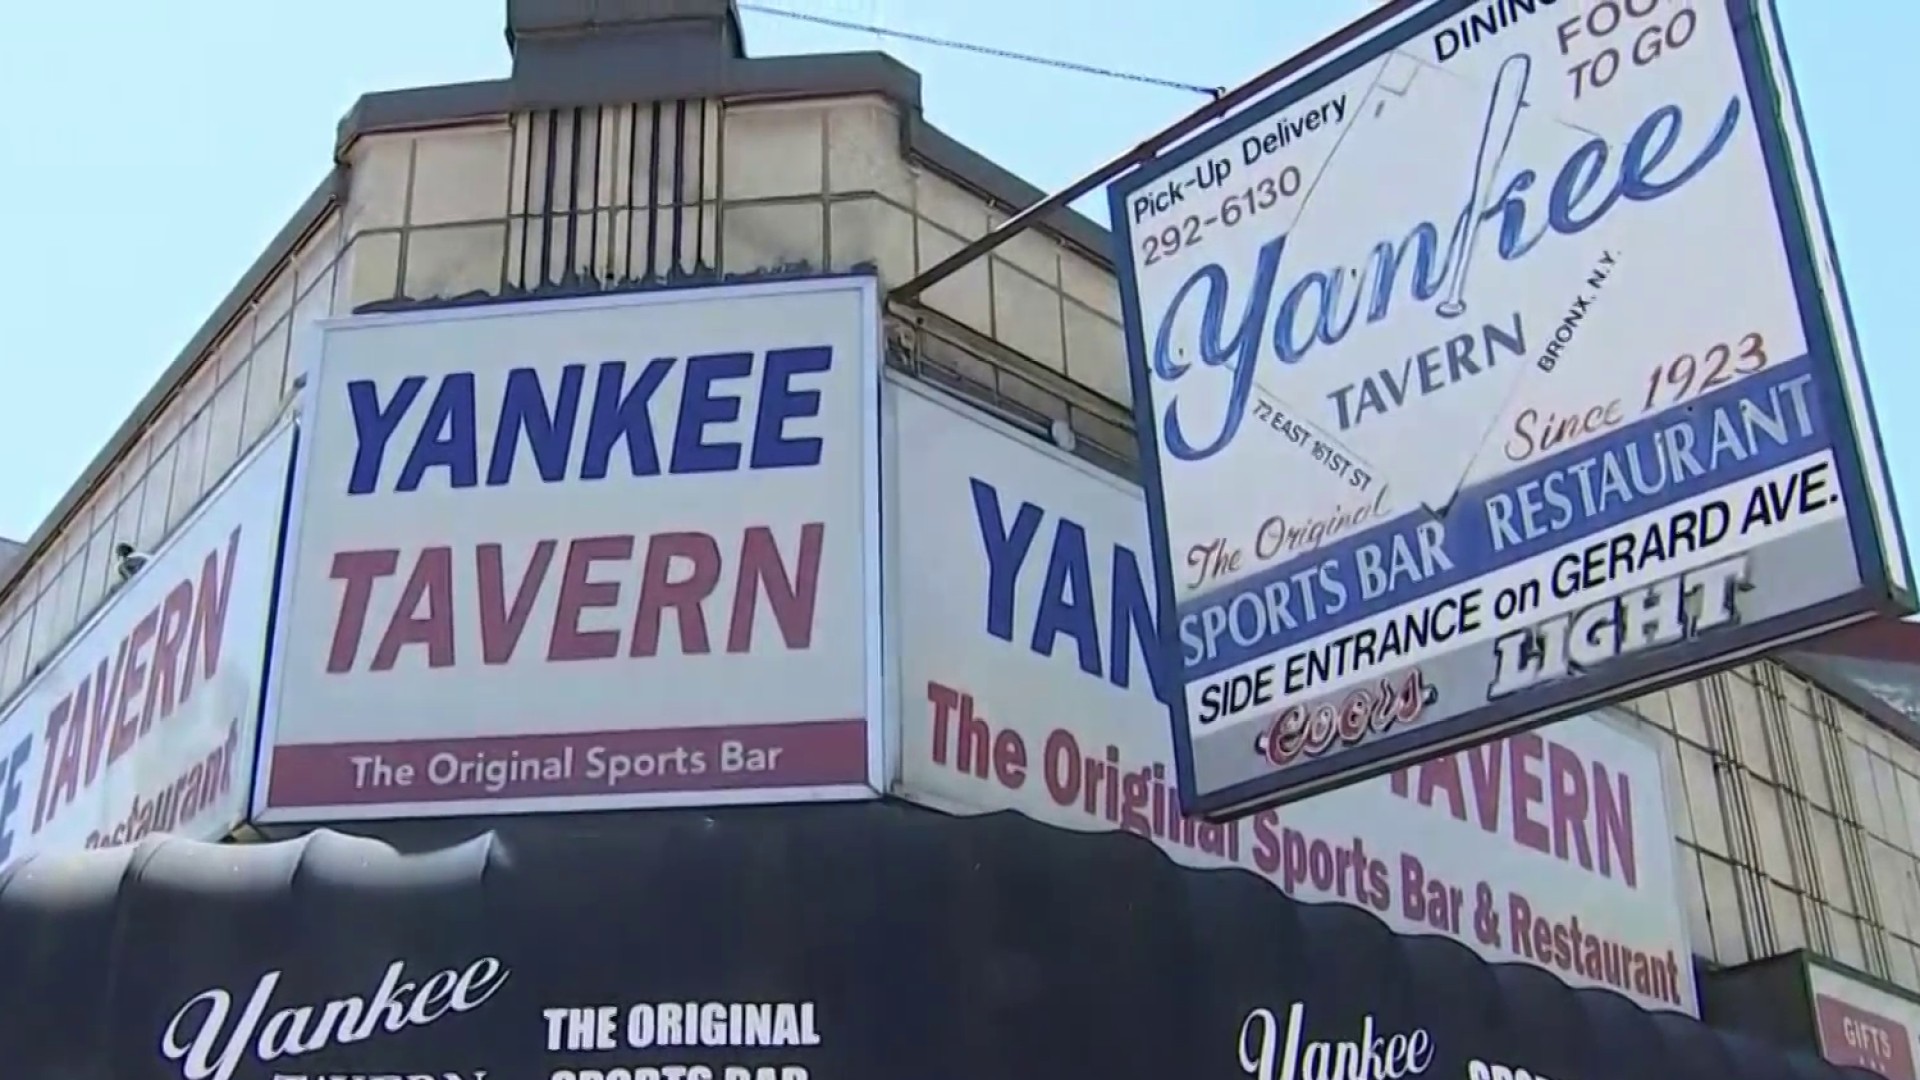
(209, 1041)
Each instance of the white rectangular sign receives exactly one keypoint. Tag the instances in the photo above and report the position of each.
(1497, 364)
(1027, 683)
(583, 554)
(145, 722)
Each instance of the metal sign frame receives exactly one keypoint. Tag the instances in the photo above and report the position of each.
(1885, 580)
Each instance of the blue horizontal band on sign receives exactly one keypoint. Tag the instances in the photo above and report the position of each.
(1469, 543)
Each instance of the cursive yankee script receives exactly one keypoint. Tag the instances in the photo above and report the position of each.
(1292, 314)
(1267, 1053)
(206, 1048)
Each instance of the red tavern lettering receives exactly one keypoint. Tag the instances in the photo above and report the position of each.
(1541, 793)
(172, 649)
(684, 580)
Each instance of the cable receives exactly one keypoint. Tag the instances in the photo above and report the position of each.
(986, 50)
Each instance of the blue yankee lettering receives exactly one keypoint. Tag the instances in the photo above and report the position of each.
(13, 775)
(543, 411)
(1293, 316)
(1066, 604)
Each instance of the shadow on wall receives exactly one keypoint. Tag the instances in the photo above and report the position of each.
(9, 551)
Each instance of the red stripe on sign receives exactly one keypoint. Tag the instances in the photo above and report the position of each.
(812, 754)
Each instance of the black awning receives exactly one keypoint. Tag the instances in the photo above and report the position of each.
(869, 941)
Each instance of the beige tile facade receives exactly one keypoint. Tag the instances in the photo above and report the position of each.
(650, 192)
(1797, 820)
(240, 386)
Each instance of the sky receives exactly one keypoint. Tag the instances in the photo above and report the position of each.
(151, 150)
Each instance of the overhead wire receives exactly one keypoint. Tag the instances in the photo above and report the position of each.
(1214, 92)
